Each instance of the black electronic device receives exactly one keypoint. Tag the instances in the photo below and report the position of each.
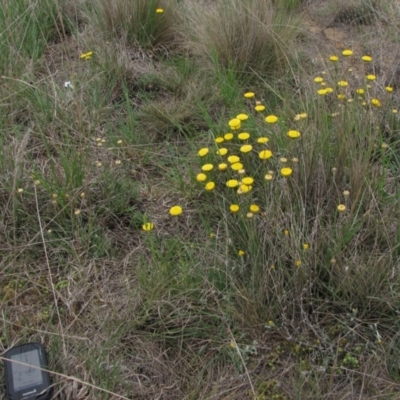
(25, 377)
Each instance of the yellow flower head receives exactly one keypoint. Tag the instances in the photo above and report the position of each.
(341, 208)
(241, 253)
(175, 210)
(243, 136)
(298, 117)
(286, 171)
(341, 96)
(222, 152)
(268, 177)
(242, 117)
(233, 159)
(248, 180)
(148, 226)
(207, 167)
(366, 58)
(334, 58)
(219, 140)
(376, 102)
(237, 166)
(360, 91)
(265, 154)
(343, 83)
(244, 188)
(159, 10)
(210, 186)
(246, 148)
(347, 53)
(294, 134)
(271, 119)
(259, 108)
(228, 136)
(298, 263)
(87, 56)
(262, 140)
(318, 79)
(222, 166)
(249, 95)
(371, 77)
(254, 208)
(232, 183)
(234, 208)
(203, 152)
(234, 123)
(389, 89)
(201, 177)
(306, 246)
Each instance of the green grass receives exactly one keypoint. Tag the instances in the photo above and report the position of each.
(294, 300)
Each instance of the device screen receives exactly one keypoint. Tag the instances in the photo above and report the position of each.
(25, 376)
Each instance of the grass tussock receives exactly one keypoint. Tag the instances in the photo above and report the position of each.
(355, 12)
(150, 24)
(245, 37)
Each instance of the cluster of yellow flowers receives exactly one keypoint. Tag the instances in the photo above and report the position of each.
(86, 56)
(225, 166)
(230, 145)
(366, 94)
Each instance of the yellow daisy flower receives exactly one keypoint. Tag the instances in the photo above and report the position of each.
(201, 177)
(210, 186)
(203, 152)
(234, 208)
(286, 171)
(175, 210)
(249, 95)
(207, 167)
(243, 136)
(148, 226)
(232, 183)
(265, 154)
(294, 134)
(271, 119)
(246, 148)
